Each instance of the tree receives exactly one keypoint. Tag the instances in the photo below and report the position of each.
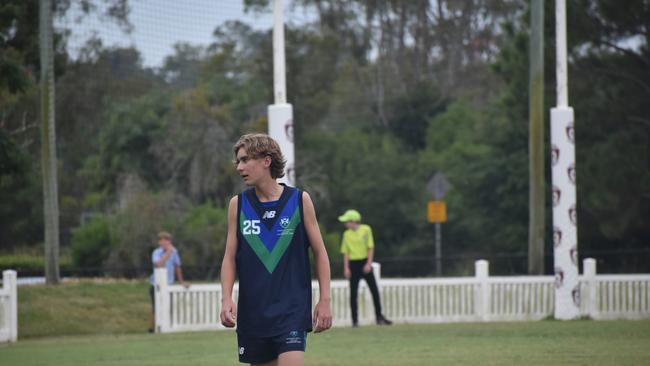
(536, 228)
(48, 146)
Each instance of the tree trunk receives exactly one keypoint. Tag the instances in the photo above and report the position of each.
(48, 145)
(536, 141)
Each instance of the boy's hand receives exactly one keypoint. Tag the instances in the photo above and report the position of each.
(367, 268)
(228, 313)
(347, 273)
(322, 316)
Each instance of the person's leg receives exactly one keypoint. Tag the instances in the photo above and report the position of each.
(355, 276)
(374, 291)
(152, 318)
(290, 348)
(256, 351)
(292, 358)
(272, 363)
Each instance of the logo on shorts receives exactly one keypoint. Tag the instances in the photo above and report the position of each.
(294, 337)
(241, 350)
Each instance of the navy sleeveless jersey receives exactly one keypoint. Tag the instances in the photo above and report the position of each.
(272, 265)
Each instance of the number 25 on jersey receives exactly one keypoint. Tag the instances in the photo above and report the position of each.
(251, 227)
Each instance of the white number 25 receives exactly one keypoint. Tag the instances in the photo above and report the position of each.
(251, 227)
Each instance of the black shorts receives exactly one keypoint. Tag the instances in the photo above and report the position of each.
(261, 350)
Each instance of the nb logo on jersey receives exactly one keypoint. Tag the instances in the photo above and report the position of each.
(268, 214)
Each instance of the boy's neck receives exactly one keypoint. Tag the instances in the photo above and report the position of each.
(269, 190)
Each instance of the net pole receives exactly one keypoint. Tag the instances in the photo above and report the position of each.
(281, 113)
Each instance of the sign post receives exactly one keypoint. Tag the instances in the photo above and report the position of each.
(438, 186)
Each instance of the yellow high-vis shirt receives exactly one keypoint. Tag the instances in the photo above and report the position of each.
(356, 243)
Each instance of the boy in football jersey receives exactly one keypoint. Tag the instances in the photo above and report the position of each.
(271, 228)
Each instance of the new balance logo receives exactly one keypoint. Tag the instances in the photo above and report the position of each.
(268, 214)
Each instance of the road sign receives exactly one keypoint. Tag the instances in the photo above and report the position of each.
(438, 186)
(436, 212)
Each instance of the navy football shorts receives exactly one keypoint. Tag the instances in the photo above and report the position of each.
(261, 350)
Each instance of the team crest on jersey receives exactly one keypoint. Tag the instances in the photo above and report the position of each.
(286, 230)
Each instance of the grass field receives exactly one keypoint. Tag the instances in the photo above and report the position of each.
(531, 343)
(83, 307)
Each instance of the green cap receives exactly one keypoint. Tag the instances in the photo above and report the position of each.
(350, 215)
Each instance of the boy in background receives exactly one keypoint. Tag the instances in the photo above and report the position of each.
(165, 256)
(358, 248)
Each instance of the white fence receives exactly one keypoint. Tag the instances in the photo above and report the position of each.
(8, 307)
(429, 300)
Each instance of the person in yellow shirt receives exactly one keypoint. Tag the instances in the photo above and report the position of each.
(357, 247)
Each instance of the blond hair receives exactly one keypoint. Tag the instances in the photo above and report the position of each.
(259, 145)
(164, 235)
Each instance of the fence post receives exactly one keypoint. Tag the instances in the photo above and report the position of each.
(376, 269)
(589, 274)
(483, 294)
(161, 299)
(9, 284)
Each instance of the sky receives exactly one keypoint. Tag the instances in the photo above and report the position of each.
(159, 24)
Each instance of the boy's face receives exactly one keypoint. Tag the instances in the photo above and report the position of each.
(164, 243)
(350, 225)
(252, 169)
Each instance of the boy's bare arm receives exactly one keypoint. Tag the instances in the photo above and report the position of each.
(179, 274)
(323, 311)
(229, 268)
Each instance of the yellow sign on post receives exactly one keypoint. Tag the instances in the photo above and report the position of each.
(436, 212)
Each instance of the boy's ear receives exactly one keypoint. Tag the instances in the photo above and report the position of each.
(267, 161)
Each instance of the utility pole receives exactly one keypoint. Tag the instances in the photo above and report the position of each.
(281, 113)
(565, 217)
(48, 145)
(536, 202)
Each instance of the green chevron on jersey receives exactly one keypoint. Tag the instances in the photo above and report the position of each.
(270, 259)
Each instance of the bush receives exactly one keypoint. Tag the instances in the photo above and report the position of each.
(91, 243)
(28, 262)
(202, 238)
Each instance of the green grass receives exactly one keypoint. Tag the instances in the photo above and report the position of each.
(518, 343)
(102, 323)
(85, 307)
